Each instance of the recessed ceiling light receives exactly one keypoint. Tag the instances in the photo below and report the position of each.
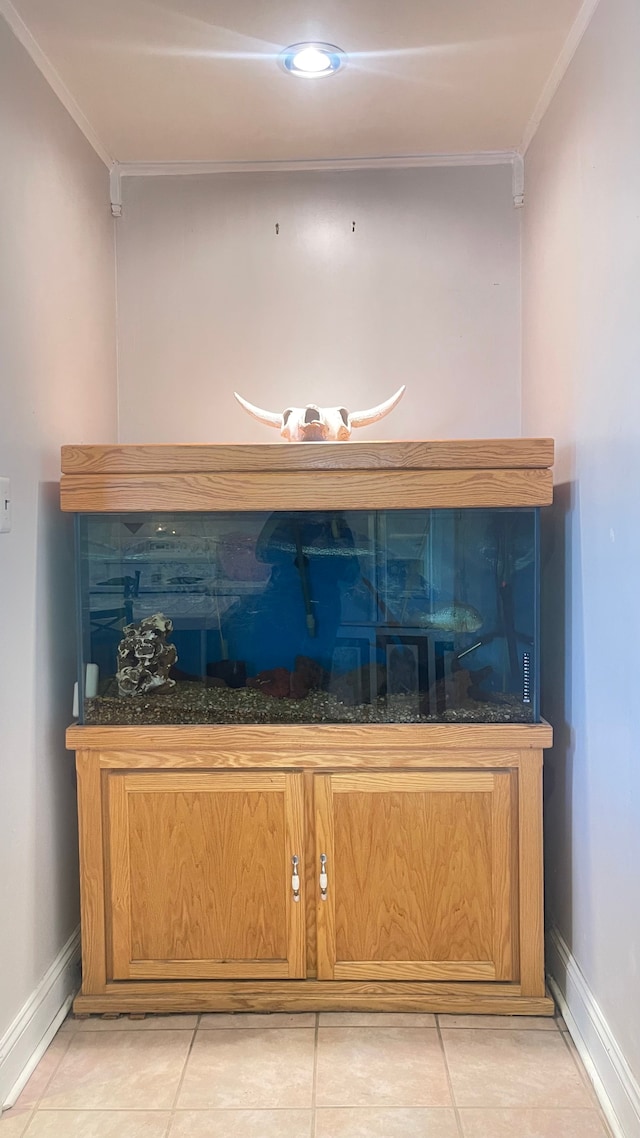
(312, 60)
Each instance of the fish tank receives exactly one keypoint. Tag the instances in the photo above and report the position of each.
(356, 616)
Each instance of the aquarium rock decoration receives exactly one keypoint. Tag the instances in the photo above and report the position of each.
(145, 658)
(313, 424)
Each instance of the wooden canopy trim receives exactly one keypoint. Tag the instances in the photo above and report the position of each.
(457, 454)
(306, 490)
(358, 739)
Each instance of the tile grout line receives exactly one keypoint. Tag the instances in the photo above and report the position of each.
(181, 1079)
(577, 1062)
(36, 1104)
(32, 1111)
(314, 1082)
(584, 1075)
(166, 1110)
(30, 1115)
(454, 1104)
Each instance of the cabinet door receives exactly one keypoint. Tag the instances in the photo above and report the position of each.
(420, 878)
(200, 875)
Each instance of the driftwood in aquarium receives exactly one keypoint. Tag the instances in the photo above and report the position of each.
(280, 683)
(459, 689)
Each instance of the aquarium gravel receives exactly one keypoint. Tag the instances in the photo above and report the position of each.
(193, 703)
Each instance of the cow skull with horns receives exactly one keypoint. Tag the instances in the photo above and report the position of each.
(312, 424)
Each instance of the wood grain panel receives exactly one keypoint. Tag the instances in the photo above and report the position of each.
(531, 878)
(191, 458)
(202, 867)
(419, 875)
(310, 895)
(207, 970)
(294, 825)
(315, 995)
(224, 782)
(389, 782)
(412, 875)
(107, 871)
(441, 750)
(119, 856)
(376, 758)
(324, 845)
(201, 873)
(502, 837)
(514, 787)
(92, 900)
(358, 738)
(416, 970)
(306, 490)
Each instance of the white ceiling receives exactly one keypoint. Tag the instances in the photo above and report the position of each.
(197, 80)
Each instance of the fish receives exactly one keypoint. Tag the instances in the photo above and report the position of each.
(184, 580)
(454, 617)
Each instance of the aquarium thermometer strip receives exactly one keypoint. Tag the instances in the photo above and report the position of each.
(526, 677)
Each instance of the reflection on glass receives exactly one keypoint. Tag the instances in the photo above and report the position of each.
(316, 616)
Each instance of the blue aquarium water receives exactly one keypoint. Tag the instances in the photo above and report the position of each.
(372, 616)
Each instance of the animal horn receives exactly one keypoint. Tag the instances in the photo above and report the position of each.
(363, 418)
(268, 417)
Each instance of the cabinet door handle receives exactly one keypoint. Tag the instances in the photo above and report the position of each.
(295, 877)
(324, 880)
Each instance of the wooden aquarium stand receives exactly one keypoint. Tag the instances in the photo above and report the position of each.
(432, 832)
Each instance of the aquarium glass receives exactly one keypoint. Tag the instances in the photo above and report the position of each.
(359, 616)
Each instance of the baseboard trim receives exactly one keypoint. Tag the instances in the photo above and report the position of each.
(615, 1084)
(27, 1038)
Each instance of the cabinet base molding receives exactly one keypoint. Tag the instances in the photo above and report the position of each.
(314, 996)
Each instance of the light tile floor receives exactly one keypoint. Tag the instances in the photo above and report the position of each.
(335, 1075)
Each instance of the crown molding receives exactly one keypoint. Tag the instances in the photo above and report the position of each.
(45, 66)
(115, 190)
(406, 161)
(120, 170)
(560, 68)
(395, 162)
(517, 181)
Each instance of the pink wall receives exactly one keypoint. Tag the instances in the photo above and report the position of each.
(581, 383)
(58, 383)
(425, 292)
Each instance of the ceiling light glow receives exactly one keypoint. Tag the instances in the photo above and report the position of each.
(312, 60)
